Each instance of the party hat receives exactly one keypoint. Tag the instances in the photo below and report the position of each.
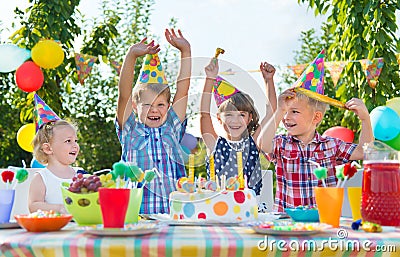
(311, 82)
(152, 71)
(42, 113)
(223, 90)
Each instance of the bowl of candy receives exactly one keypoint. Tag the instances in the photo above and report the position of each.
(43, 221)
(303, 214)
(81, 198)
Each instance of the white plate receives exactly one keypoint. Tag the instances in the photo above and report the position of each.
(167, 219)
(9, 225)
(128, 230)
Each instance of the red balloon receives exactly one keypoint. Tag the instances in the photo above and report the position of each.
(342, 133)
(29, 77)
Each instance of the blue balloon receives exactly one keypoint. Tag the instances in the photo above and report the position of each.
(36, 164)
(12, 57)
(189, 141)
(185, 154)
(385, 123)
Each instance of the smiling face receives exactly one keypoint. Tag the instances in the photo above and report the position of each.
(301, 120)
(63, 146)
(152, 109)
(234, 123)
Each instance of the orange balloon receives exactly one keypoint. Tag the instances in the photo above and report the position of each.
(342, 133)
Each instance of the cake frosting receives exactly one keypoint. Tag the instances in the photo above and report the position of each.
(223, 206)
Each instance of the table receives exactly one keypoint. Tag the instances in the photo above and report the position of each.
(198, 241)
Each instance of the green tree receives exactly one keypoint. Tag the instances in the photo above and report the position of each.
(359, 30)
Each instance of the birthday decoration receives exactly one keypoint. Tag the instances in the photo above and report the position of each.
(12, 57)
(116, 66)
(223, 90)
(189, 141)
(345, 134)
(218, 51)
(29, 77)
(335, 69)
(298, 69)
(42, 113)
(25, 137)
(372, 70)
(84, 64)
(47, 54)
(152, 71)
(385, 123)
(311, 82)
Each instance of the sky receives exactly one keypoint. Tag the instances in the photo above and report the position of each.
(249, 32)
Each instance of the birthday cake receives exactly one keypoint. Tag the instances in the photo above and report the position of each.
(213, 205)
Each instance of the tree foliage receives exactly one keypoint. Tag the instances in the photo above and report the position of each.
(357, 30)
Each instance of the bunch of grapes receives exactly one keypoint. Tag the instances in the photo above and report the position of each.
(83, 184)
(107, 180)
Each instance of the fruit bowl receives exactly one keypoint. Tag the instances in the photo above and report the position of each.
(303, 214)
(85, 208)
(43, 224)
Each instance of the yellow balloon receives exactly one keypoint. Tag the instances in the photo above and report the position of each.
(394, 103)
(47, 54)
(25, 136)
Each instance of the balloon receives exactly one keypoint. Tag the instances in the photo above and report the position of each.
(394, 103)
(385, 123)
(394, 143)
(12, 57)
(36, 164)
(342, 133)
(25, 136)
(189, 141)
(47, 54)
(29, 77)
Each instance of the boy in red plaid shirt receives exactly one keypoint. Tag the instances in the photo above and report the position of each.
(291, 153)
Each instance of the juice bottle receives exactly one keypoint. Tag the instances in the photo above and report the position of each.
(381, 193)
(381, 185)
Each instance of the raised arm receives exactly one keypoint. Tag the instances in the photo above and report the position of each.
(206, 126)
(268, 131)
(183, 79)
(366, 135)
(268, 72)
(125, 84)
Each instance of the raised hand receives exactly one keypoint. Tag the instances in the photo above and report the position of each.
(142, 48)
(212, 68)
(267, 70)
(177, 41)
(358, 107)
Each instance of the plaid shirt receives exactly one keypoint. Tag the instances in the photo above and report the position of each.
(158, 148)
(294, 174)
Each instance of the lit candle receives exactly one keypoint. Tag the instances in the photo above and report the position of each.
(212, 168)
(191, 168)
(240, 169)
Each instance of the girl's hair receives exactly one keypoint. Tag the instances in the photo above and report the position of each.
(44, 135)
(159, 89)
(243, 103)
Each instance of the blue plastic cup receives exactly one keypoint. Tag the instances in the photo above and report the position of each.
(6, 204)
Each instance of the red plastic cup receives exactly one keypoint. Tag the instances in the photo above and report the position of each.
(114, 204)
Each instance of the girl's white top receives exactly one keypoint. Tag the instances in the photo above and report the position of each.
(53, 186)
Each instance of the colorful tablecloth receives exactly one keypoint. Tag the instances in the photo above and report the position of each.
(200, 241)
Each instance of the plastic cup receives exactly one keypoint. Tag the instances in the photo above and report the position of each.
(354, 194)
(329, 202)
(6, 204)
(114, 204)
(135, 200)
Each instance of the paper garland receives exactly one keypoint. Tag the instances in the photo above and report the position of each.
(117, 66)
(298, 69)
(84, 64)
(335, 69)
(372, 70)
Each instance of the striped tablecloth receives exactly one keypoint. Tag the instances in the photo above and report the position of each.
(199, 241)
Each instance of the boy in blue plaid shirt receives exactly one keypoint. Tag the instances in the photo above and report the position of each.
(148, 126)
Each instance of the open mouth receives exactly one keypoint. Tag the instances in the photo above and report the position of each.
(153, 118)
(73, 153)
(290, 125)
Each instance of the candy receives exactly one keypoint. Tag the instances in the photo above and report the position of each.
(44, 214)
(339, 172)
(349, 170)
(22, 175)
(7, 176)
(232, 183)
(119, 169)
(211, 185)
(188, 187)
(371, 227)
(149, 175)
(135, 173)
(179, 184)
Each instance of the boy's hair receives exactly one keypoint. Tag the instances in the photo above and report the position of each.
(44, 135)
(159, 89)
(243, 103)
(314, 104)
